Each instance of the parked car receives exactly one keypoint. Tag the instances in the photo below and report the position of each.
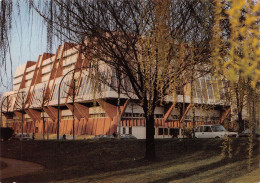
(6, 133)
(246, 133)
(127, 136)
(213, 131)
(104, 137)
(20, 136)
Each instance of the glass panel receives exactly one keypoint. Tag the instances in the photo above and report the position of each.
(210, 92)
(130, 130)
(215, 90)
(207, 129)
(204, 89)
(198, 89)
(219, 128)
(160, 131)
(165, 131)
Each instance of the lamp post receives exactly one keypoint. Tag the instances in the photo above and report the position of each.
(58, 118)
(6, 97)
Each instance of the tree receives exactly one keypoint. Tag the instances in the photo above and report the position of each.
(236, 53)
(73, 88)
(19, 105)
(235, 47)
(40, 99)
(6, 104)
(6, 12)
(147, 41)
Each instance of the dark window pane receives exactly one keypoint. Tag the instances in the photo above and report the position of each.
(160, 131)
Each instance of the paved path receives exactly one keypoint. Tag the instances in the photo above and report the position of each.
(17, 167)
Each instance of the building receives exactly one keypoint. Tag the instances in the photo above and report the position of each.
(35, 97)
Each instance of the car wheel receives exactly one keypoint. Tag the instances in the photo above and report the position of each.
(217, 137)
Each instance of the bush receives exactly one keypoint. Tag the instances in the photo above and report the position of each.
(6, 133)
(188, 132)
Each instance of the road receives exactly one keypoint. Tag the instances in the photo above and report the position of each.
(17, 167)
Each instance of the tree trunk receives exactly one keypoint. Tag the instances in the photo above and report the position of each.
(240, 121)
(22, 122)
(73, 118)
(43, 128)
(150, 144)
(239, 111)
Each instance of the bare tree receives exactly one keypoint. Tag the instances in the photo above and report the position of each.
(73, 88)
(147, 41)
(6, 104)
(20, 106)
(40, 99)
(6, 13)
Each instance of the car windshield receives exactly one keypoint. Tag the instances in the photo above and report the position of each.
(246, 131)
(218, 128)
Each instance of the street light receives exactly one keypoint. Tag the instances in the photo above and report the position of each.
(58, 118)
(7, 104)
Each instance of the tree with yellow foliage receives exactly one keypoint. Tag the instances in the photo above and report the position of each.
(236, 49)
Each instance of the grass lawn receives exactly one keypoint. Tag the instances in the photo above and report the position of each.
(112, 160)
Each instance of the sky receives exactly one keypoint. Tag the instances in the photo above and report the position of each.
(28, 41)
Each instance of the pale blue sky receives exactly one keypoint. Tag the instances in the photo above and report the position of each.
(28, 41)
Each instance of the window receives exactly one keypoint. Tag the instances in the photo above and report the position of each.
(174, 132)
(160, 131)
(163, 131)
(219, 128)
(207, 129)
(123, 130)
(204, 89)
(210, 91)
(198, 89)
(179, 90)
(213, 128)
(113, 81)
(176, 117)
(221, 86)
(82, 81)
(55, 91)
(87, 87)
(130, 130)
(201, 129)
(166, 131)
(215, 90)
(158, 116)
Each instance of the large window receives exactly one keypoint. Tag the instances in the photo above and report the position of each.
(198, 89)
(130, 130)
(55, 91)
(163, 131)
(210, 90)
(82, 83)
(204, 89)
(38, 95)
(160, 131)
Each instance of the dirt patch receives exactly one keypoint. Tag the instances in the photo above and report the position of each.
(2, 165)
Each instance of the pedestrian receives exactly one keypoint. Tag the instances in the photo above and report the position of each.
(64, 137)
(33, 136)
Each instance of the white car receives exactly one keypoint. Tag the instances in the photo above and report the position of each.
(213, 131)
(127, 136)
(20, 136)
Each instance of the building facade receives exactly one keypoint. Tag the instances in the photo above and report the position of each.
(34, 99)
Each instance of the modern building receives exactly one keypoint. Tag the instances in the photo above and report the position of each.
(35, 97)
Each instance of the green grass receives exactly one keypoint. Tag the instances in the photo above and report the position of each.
(188, 160)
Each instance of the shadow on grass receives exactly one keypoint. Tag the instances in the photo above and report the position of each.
(83, 161)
